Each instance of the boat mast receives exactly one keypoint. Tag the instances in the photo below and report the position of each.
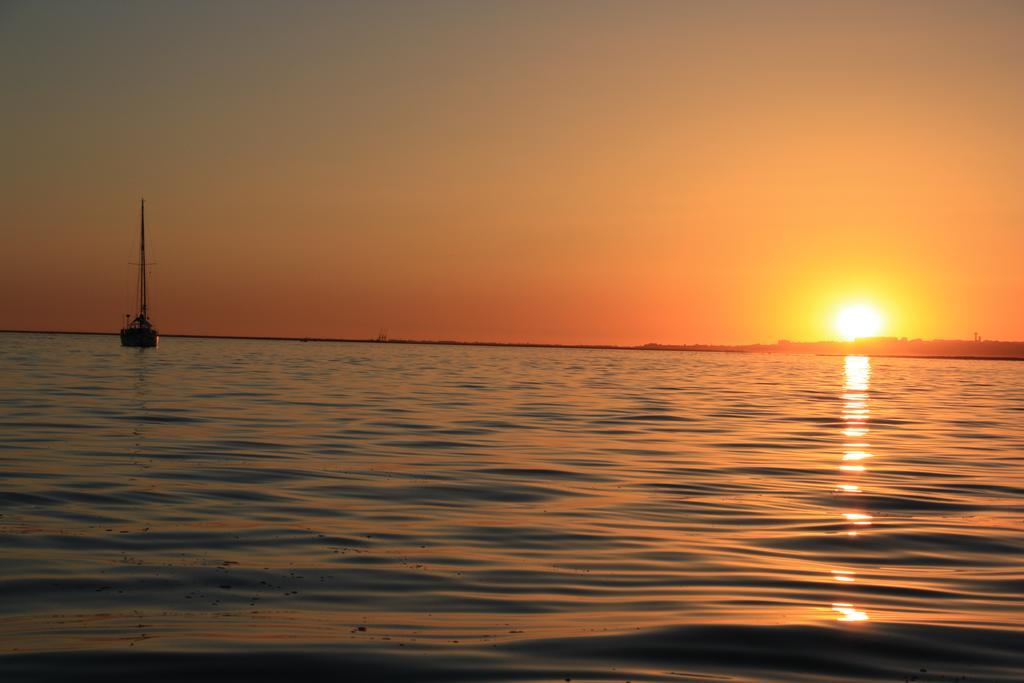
(142, 260)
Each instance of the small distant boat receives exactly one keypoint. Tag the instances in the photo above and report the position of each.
(140, 331)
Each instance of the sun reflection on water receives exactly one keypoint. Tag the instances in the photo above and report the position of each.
(847, 612)
(856, 455)
(855, 414)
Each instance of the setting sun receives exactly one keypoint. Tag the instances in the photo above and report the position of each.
(856, 322)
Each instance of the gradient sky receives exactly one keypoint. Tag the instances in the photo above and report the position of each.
(525, 171)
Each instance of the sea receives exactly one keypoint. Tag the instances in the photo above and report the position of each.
(248, 510)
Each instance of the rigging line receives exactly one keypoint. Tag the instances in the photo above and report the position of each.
(142, 260)
(151, 274)
(129, 272)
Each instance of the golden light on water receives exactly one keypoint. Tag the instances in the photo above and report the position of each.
(855, 414)
(858, 518)
(856, 455)
(858, 322)
(844, 575)
(847, 612)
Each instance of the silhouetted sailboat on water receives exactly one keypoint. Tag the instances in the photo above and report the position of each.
(140, 332)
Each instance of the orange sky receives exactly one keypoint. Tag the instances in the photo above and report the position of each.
(556, 172)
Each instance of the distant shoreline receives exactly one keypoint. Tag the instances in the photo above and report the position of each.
(876, 348)
(896, 355)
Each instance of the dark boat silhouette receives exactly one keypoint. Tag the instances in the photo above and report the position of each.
(140, 331)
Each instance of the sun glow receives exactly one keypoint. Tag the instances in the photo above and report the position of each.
(848, 612)
(856, 322)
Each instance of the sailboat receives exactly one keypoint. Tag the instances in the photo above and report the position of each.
(140, 331)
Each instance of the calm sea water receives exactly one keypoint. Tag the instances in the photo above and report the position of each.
(265, 510)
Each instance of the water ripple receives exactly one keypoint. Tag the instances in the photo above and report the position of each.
(393, 512)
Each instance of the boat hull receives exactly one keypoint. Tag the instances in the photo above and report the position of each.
(139, 337)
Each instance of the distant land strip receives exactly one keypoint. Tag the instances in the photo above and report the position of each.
(879, 347)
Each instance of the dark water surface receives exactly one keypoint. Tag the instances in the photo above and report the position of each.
(249, 510)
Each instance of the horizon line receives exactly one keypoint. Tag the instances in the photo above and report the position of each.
(649, 346)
